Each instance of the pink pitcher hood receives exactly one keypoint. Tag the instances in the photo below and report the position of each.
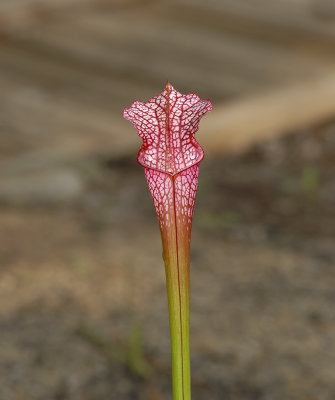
(167, 124)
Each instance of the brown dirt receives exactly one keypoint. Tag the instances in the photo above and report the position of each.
(262, 307)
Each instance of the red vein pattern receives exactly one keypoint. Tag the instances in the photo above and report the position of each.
(168, 191)
(167, 124)
(170, 156)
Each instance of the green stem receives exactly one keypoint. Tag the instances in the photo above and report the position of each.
(176, 254)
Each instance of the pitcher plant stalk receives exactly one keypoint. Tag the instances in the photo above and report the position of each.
(170, 156)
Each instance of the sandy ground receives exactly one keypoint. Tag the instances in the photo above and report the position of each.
(79, 282)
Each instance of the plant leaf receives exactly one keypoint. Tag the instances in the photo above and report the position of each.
(170, 156)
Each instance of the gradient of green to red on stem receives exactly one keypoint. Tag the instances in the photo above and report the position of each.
(170, 156)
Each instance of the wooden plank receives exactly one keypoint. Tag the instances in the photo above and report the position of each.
(63, 84)
(237, 125)
(224, 53)
(265, 25)
(285, 14)
(135, 48)
(60, 127)
(131, 63)
(17, 15)
(70, 131)
(71, 81)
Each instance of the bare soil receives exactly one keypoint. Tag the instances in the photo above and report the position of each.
(80, 281)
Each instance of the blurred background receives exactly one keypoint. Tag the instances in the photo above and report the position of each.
(83, 308)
